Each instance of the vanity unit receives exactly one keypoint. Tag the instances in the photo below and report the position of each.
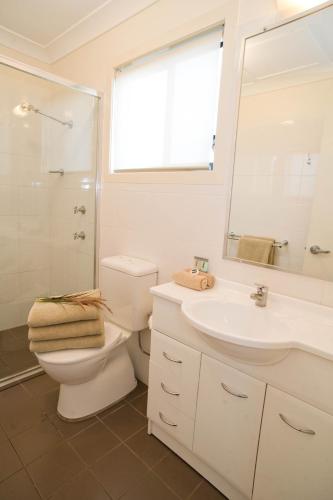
(242, 393)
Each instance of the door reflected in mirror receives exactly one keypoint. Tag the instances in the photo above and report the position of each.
(281, 211)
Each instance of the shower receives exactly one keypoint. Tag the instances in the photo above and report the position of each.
(47, 245)
(24, 108)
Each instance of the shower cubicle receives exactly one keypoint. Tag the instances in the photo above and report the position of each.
(48, 186)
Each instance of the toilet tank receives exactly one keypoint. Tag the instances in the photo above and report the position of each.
(125, 283)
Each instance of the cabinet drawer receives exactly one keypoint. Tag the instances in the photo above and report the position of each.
(172, 421)
(175, 391)
(229, 412)
(177, 367)
(295, 459)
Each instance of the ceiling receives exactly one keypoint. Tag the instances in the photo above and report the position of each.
(49, 29)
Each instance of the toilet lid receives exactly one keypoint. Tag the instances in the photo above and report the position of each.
(113, 334)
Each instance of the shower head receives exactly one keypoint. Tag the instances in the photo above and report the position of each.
(24, 108)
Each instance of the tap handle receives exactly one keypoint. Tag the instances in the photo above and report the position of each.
(261, 287)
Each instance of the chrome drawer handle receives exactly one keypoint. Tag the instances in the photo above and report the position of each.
(169, 392)
(237, 394)
(171, 359)
(166, 421)
(299, 429)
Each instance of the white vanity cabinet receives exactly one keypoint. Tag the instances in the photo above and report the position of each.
(229, 412)
(295, 459)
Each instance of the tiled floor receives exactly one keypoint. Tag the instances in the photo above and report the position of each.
(14, 351)
(106, 457)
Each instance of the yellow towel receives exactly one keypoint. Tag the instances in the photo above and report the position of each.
(49, 313)
(70, 343)
(200, 281)
(67, 330)
(256, 249)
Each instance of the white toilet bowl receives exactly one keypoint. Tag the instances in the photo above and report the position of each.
(91, 379)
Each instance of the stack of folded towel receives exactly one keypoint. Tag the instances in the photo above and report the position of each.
(194, 279)
(54, 326)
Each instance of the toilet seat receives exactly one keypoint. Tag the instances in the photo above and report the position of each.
(113, 335)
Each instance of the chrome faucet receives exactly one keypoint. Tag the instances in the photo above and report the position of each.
(260, 296)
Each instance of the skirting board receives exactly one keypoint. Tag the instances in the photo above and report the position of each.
(188, 456)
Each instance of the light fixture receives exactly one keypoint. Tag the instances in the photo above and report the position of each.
(291, 7)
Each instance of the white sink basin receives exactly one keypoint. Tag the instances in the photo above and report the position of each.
(252, 334)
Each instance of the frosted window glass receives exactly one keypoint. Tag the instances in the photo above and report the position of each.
(165, 107)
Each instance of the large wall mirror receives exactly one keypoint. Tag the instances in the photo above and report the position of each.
(281, 211)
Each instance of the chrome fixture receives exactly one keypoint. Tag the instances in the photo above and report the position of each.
(315, 249)
(79, 236)
(166, 356)
(60, 171)
(299, 429)
(166, 421)
(167, 391)
(82, 210)
(260, 296)
(233, 393)
(24, 108)
(277, 244)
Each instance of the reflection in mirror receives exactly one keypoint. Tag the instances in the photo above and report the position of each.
(281, 209)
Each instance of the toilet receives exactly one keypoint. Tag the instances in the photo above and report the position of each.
(91, 380)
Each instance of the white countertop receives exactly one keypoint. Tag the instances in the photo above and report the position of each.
(309, 326)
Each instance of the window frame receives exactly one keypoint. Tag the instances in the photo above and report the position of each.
(210, 167)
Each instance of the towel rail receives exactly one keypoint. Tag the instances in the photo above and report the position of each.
(277, 244)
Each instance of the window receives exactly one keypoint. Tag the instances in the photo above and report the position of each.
(165, 107)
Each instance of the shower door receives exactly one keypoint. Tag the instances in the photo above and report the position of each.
(48, 171)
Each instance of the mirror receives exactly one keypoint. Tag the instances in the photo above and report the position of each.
(281, 211)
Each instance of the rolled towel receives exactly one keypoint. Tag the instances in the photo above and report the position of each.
(67, 330)
(71, 343)
(199, 281)
(53, 313)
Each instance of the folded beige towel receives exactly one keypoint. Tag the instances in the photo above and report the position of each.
(70, 343)
(256, 249)
(67, 330)
(200, 281)
(49, 313)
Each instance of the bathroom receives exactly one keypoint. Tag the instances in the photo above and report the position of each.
(87, 174)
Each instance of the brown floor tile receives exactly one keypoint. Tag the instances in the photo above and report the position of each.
(140, 389)
(19, 360)
(82, 487)
(150, 488)
(112, 408)
(19, 411)
(148, 448)
(18, 487)
(125, 422)
(70, 429)
(40, 385)
(48, 402)
(9, 461)
(181, 478)
(36, 441)
(207, 492)
(94, 442)
(140, 404)
(2, 434)
(50, 471)
(14, 339)
(119, 471)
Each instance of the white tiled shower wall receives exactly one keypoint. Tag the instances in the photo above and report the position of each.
(38, 255)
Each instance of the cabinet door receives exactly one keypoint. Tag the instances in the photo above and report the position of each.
(295, 459)
(229, 412)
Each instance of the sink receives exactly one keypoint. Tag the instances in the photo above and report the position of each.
(246, 332)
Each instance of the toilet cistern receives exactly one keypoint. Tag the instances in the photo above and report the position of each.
(260, 296)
